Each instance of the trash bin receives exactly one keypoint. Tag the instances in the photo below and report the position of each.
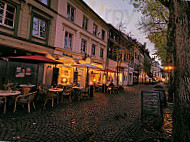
(91, 90)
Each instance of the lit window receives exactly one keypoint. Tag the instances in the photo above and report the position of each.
(39, 28)
(7, 14)
(93, 49)
(103, 34)
(85, 23)
(101, 52)
(68, 39)
(70, 12)
(83, 46)
(95, 29)
(44, 1)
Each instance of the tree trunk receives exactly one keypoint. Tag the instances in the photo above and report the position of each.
(179, 41)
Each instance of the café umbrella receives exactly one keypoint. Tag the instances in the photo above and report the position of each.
(32, 59)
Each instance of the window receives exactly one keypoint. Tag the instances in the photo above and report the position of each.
(39, 28)
(103, 34)
(85, 23)
(93, 50)
(7, 14)
(124, 58)
(68, 40)
(70, 12)
(101, 52)
(95, 29)
(44, 1)
(120, 57)
(83, 46)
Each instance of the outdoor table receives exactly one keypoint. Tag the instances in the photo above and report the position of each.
(6, 93)
(76, 87)
(23, 86)
(27, 85)
(56, 92)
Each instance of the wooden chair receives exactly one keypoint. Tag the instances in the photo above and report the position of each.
(51, 96)
(110, 89)
(3, 100)
(25, 90)
(25, 99)
(66, 93)
(85, 93)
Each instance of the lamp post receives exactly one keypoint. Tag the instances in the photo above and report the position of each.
(169, 69)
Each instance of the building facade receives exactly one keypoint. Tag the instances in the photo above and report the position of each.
(81, 37)
(156, 70)
(120, 58)
(27, 27)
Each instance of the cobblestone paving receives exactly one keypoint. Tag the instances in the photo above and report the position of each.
(103, 118)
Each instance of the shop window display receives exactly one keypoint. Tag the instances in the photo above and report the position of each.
(65, 75)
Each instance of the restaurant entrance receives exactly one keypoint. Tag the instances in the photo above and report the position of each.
(55, 76)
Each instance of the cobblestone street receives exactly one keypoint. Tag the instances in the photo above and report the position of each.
(105, 117)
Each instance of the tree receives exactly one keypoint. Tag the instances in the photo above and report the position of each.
(123, 45)
(178, 42)
(154, 23)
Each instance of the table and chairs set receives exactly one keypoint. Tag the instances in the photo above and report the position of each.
(27, 94)
(22, 94)
(107, 88)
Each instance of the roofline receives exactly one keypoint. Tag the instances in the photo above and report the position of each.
(85, 4)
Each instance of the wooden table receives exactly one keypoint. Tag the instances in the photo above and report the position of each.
(6, 93)
(26, 87)
(55, 90)
(76, 87)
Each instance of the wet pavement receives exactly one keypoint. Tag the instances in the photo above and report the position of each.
(103, 118)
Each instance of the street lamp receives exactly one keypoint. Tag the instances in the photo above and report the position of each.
(169, 69)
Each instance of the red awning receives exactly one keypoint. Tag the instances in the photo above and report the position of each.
(107, 70)
(32, 59)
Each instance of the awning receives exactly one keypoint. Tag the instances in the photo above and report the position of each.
(107, 70)
(86, 66)
(32, 59)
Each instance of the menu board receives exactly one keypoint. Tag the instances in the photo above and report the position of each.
(150, 107)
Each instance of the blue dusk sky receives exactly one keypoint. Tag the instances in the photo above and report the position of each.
(115, 11)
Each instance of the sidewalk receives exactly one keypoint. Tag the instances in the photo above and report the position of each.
(105, 117)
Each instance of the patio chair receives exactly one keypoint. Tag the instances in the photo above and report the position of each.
(25, 90)
(3, 100)
(110, 89)
(51, 96)
(77, 93)
(85, 93)
(25, 99)
(66, 93)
